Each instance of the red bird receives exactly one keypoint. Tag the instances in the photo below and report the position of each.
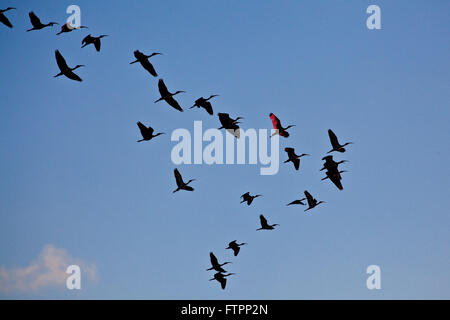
(277, 126)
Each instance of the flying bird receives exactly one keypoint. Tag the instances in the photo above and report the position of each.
(295, 159)
(220, 277)
(264, 225)
(64, 68)
(246, 197)
(205, 104)
(4, 19)
(147, 132)
(36, 22)
(145, 63)
(235, 246)
(67, 27)
(167, 96)
(277, 126)
(300, 201)
(231, 125)
(335, 176)
(93, 40)
(312, 202)
(335, 143)
(215, 263)
(181, 185)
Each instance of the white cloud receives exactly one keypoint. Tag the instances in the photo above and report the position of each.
(49, 270)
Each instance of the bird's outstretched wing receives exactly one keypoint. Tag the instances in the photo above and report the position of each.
(142, 128)
(72, 75)
(35, 21)
(213, 259)
(275, 122)
(296, 163)
(208, 107)
(223, 282)
(62, 65)
(178, 177)
(333, 139)
(245, 195)
(335, 177)
(236, 250)
(173, 103)
(309, 198)
(97, 44)
(263, 220)
(149, 67)
(5, 21)
(162, 88)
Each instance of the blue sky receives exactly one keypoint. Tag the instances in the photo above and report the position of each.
(74, 177)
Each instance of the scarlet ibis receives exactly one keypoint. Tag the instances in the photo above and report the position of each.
(180, 183)
(147, 132)
(4, 19)
(265, 225)
(277, 126)
(330, 163)
(248, 198)
(231, 125)
(335, 176)
(215, 263)
(295, 159)
(220, 277)
(95, 40)
(145, 63)
(300, 201)
(167, 96)
(64, 68)
(36, 22)
(205, 104)
(335, 143)
(235, 246)
(67, 27)
(312, 202)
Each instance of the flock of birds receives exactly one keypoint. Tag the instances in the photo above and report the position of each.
(231, 125)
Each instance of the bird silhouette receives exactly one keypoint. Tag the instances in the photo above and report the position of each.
(181, 185)
(147, 132)
(215, 263)
(220, 277)
(167, 96)
(64, 68)
(67, 27)
(312, 202)
(277, 126)
(246, 197)
(335, 143)
(93, 40)
(36, 22)
(300, 201)
(4, 19)
(145, 63)
(231, 125)
(295, 159)
(265, 225)
(233, 245)
(205, 104)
